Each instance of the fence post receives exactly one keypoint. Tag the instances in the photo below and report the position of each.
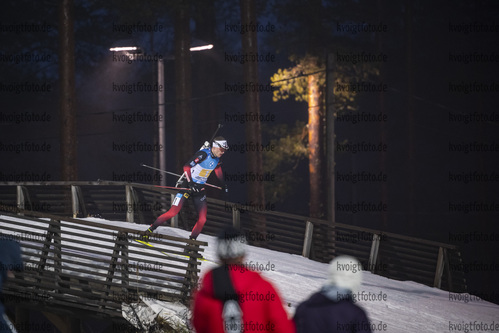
(191, 277)
(440, 268)
(53, 235)
(307, 242)
(130, 204)
(236, 218)
(449, 274)
(120, 245)
(77, 202)
(373, 256)
(57, 239)
(20, 198)
(74, 201)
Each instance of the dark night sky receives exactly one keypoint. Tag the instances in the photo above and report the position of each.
(449, 64)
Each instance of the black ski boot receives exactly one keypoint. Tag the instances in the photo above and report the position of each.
(145, 236)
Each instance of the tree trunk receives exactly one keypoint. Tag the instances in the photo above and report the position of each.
(69, 162)
(410, 117)
(254, 160)
(183, 107)
(330, 140)
(382, 109)
(314, 164)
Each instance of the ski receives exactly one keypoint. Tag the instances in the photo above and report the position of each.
(171, 255)
(150, 245)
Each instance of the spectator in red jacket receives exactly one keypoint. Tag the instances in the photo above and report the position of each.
(233, 299)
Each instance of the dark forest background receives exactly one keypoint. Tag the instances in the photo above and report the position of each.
(438, 66)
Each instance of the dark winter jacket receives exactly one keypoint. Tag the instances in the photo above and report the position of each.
(10, 260)
(260, 303)
(330, 310)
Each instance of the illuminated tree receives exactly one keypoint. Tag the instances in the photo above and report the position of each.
(306, 82)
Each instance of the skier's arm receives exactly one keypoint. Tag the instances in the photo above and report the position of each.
(219, 173)
(220, 176)
(187, 172)
(199, 157)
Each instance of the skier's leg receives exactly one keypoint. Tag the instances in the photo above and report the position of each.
(201, 208)
(177, 204)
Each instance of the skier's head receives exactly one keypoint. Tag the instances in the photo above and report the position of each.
(231, 246)
(219, 146)
(345, 272)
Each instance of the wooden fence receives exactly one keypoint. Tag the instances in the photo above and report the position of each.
(94, 267)
(388, 254)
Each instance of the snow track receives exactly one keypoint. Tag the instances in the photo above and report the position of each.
(397, 306)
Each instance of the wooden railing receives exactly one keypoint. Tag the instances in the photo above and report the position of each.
(388, 254)
(96, 266)
(384, 253)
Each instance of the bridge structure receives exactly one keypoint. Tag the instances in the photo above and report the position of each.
(79, 258)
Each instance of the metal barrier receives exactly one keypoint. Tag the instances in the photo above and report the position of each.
(388, 254)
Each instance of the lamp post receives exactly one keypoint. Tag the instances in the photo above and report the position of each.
(131, 51)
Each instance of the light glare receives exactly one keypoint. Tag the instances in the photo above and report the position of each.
(124, 48)
(201, 48)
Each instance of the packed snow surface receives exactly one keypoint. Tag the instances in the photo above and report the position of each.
(392, 306)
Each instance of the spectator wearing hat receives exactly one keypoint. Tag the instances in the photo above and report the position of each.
(332, 309)
(233, 299)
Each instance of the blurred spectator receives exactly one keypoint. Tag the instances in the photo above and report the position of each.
(232, 298)
(10, 260)
(332, 309)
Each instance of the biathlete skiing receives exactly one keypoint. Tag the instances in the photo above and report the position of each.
(196, 173)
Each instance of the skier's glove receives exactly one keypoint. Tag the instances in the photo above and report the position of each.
(194, 188)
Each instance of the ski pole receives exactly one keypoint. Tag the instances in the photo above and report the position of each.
(164, 171)
(174, 174)
(172, 187)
